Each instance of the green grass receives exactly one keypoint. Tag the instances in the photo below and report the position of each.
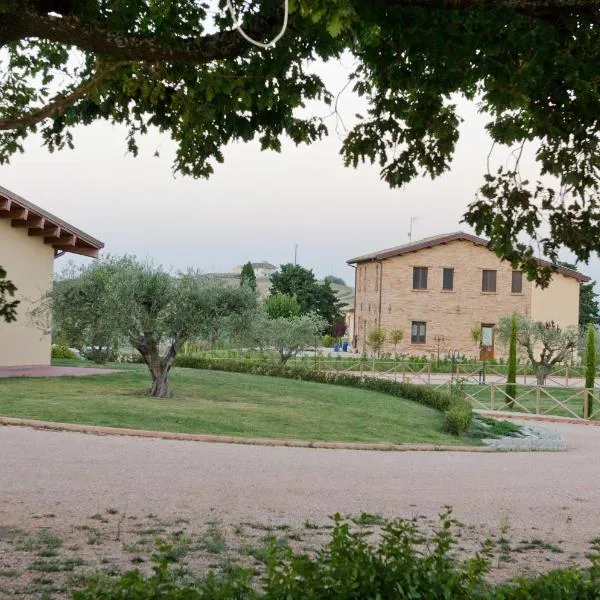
(225, 403)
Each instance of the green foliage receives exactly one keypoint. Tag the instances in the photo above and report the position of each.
(589, 311)
(511, 377)
(248, 277)
(282, 305)
(400, 563)
(533, 67)
(375, 339)
(328, 341)
(590, 357)
(59, 351)
(312, 296)
(120, 299)
(458, 417)
(8, 310)
(396, 336)
(287, 335)
(545, 344)
(590, 365)
(333, 279)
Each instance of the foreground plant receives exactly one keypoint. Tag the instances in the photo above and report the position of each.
(401, 563)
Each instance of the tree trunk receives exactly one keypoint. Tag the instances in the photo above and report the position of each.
(541, 372)
(159, 368)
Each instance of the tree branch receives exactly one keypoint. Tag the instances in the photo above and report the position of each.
(72, 31)
(59, 103)
(529, 6)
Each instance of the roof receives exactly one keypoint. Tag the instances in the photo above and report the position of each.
(438, 240)
(57, 233)
(264, 265)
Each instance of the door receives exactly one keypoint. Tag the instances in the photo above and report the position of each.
(487, 342)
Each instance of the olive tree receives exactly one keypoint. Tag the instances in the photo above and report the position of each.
(545, 344)
(286, 335)
(122, 299)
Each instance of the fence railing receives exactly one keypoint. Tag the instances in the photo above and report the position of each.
(576, 403)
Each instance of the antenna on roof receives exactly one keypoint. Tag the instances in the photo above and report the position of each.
(410, 229)
(295, 253)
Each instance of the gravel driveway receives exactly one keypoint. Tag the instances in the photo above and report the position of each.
(551, 496)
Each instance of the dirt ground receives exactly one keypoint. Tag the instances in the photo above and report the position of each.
(73, 504)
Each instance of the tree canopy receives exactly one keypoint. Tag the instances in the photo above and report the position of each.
(181, 66)
(312, 296)
(121, 299)
(248, 276)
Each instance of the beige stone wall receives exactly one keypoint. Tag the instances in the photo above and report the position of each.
(559, 302)
(450, 314)
(28, 262)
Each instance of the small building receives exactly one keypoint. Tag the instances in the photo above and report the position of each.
(30, 239)
(439, 289)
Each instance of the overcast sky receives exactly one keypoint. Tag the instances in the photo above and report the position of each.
(256, 206)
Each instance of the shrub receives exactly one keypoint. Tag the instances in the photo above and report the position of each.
(401, 563)
(60, 351)
(458, 417)
(328, 341)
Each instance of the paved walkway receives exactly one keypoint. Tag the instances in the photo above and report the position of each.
(48, 371)
(551, 496)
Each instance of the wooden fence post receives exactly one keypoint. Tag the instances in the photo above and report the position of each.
(429, 374)
(567, 375)
(493, 396)
(586, 404)
(537, 399)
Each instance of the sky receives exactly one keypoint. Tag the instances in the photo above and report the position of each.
(257, 205)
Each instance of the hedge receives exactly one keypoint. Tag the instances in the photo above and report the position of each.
(428, 396)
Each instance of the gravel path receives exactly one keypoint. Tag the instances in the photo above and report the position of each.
(552, 495)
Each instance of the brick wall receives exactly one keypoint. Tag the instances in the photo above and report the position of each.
(452, 314)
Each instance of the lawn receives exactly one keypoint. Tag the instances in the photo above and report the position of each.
(225, 403)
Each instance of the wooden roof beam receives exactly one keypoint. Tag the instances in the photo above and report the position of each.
(32, 222)
(68, 241)
(49, 231)
(84, 251)
(5, 204)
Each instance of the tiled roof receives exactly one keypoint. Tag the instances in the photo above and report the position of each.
(445, 238)
(57, 233)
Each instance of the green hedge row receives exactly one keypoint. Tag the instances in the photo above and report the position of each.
(457, 421)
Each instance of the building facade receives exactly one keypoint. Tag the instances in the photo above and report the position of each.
(440, 289)
(30, 240)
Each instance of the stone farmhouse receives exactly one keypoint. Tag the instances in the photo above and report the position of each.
(439, 289)
(30, 239)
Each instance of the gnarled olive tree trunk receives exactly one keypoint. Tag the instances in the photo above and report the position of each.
(160, 366)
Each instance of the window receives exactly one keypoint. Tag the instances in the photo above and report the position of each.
(417, 332)
(419, 278)
(517, 282)
(448, 279)
(488, 282)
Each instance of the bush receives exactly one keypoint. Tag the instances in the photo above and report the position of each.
(400, 564)
(61, 351)
(328, 341)
(458, 417)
